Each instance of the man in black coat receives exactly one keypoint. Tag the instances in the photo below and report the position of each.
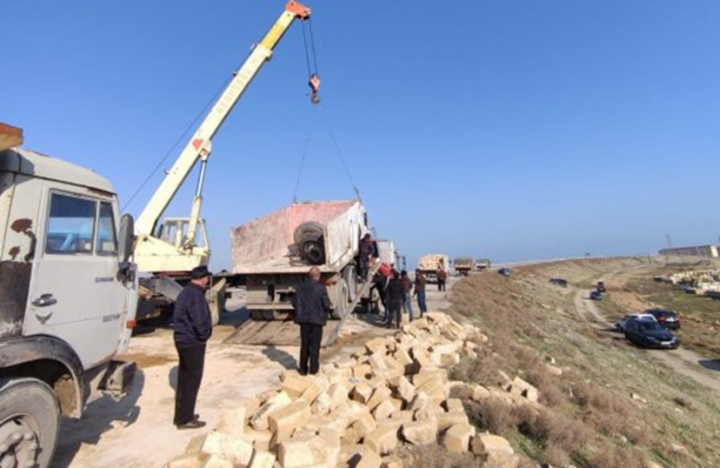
(193, 327)
(312, 305)
(395, 293)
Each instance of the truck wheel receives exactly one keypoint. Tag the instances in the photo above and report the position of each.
(309, 239)
(29, 420)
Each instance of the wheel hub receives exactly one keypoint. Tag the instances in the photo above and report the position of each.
(18, 444)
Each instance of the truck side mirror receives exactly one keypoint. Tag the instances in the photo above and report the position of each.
(127, 229)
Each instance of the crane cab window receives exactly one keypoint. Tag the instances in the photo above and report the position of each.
(71, 225)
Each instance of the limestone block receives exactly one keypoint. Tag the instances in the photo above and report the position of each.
(420, 432)
(284, 420)
(232, 422)
(362, 371)
(311, 393)
(377, 362)
(495, 450)
(402, 416)
(194, 447)
(362, 393)
(262, 459)
(382, 440)
(302, 451)
(216, 461)
(448, 360)
(404, 389)
(403, 358)
(359, 456)
(377, 381)
(377, 346)
(259, 420)
(349, 412)
(391, 461)
(338, 395)
(454, 404)
(479, 393)
(397, 403)
(185, 461)
(260, 440)
(237, 451)
(359, 429)
(379, 395)
(322, 404)
(383, 410)
(519, 387)
(447, 420)
(425, 376)
(457, 438)
(553, 370)
(318, 423)
(331, 441)
(435, 390)
(294, 384)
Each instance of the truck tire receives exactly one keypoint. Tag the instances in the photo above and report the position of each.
(309, 237)
(29, 421)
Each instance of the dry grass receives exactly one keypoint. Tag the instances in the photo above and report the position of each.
(610, 456)
(435, 456)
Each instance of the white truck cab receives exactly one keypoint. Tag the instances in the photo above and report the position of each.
(68, 297)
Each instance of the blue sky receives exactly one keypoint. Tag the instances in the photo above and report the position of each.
(511, 129)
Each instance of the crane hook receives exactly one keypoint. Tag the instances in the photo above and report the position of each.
(314, 83)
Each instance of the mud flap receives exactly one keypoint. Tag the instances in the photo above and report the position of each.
(118, 377)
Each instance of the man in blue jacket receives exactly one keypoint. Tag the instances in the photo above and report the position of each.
(312, 305)
(193, 327)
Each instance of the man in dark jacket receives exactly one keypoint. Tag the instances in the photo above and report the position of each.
(395, 298)
(367, 251)
(312, 305)
(420, 283)
(193, 327)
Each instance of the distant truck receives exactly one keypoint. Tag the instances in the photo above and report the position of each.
(464, 265)
(482, 264)
(429, 265)
(389, 254)
(68, 297)
(275, 252)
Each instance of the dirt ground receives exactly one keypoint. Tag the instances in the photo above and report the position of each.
(136, 431)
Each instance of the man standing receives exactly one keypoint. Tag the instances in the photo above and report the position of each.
(420, 283)
(407, 289)
(193, 327)
(441, 278)
(312, 305)
(395, 298)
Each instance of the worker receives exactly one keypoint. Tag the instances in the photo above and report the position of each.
(441, 278)
(193, 328)
(379, 283)
(395, 298)
(312, 306)
(367, 250)
(407, 289)
(420, 283)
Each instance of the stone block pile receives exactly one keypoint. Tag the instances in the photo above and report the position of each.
(356, 413)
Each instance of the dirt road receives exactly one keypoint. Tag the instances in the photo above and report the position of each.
(137, 431)
(699, 368)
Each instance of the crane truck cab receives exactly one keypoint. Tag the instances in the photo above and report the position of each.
(68, 297)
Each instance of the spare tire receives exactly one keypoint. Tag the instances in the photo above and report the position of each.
(310, 241)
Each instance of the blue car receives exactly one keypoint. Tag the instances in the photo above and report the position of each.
(650, 334)
(596, 295)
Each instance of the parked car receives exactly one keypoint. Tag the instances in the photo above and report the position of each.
(559, 281)
(650, 334)
(601, 286)
(505, 271)
(666, 318)
(596, 295)
(620, 325)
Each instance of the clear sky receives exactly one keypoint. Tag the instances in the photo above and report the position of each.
(514, 129)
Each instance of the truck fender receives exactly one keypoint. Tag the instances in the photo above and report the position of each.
(51, 360)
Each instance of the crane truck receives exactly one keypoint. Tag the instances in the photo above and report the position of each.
(68, 277)
(168, 250)
(68, 296)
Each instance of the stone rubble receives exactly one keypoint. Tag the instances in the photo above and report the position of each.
(355, 413)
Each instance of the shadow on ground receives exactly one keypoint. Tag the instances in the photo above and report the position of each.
(283, 358)
(101, 415)
(712, 364)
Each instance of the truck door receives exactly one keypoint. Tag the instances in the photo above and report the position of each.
(75, 293)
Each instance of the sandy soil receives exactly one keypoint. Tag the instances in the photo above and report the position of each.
(136, 431)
